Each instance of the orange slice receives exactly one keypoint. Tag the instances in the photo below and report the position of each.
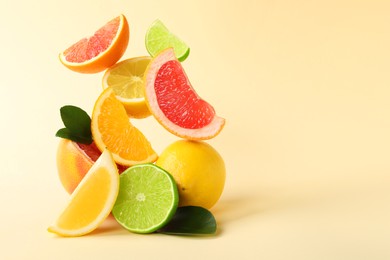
(92, 200)
(112, 129)
(175, 104)
(100, 51)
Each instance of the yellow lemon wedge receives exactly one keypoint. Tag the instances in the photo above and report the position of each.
(92, 200)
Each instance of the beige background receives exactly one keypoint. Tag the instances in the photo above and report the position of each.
(304, 86)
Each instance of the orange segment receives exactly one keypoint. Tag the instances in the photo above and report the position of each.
(112, 129)
(92, 200)
(99, 51)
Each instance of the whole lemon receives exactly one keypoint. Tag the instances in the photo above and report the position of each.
(198, 169)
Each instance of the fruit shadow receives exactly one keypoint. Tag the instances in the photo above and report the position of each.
(109, 227)
(237, 209)
(227, 212)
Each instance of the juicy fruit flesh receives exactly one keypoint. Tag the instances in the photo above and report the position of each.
(111, 129)
(127, 92)
(88, 48)
(127, 81)
(159, 38)
(83, 210)
(90, 150)
(178, 100)
(93, 152)
(123, 128)
(186, 118)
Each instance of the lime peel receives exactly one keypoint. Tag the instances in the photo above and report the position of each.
(158, 38)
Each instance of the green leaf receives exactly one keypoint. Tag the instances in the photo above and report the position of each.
(191, 220)
(76, 119)
(65, 133)
(77, 125)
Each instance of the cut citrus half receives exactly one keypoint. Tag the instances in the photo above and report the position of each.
(147, 198)
(112, 129)
(159, 38)
(126, 78)
(101, 50)
(175, 104)
(92, 200)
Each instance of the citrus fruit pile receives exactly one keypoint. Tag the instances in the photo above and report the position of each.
(109, 166)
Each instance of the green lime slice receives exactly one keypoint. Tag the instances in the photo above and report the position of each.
(147, 199)
(159, 38)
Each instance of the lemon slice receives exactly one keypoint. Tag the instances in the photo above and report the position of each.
(126, 79)
(92, 200)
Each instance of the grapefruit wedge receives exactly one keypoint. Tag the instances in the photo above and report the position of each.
(99, 51)
(175, 104)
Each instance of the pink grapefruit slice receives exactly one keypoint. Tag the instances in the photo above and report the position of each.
(175, 104)
(101, 50)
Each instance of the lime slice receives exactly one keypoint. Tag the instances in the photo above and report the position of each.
(159, 38)
(147, 200)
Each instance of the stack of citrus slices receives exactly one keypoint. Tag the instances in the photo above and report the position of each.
(108, 165)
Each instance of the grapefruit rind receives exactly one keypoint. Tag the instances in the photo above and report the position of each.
(106, 58)
(207, 132)
(72, 164)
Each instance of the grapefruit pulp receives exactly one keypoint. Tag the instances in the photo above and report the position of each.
(99, 51)
(175, 104)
